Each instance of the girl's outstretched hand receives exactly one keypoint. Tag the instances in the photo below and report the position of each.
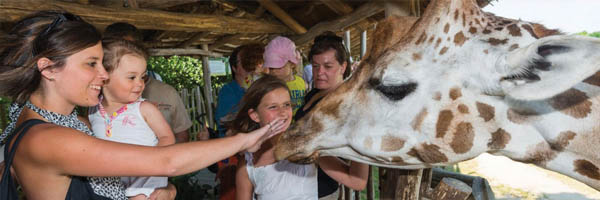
(257, 137)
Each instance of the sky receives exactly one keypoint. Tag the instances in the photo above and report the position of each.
(570, 16)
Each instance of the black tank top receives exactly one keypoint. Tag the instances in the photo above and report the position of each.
(78, 189)
(327, 185)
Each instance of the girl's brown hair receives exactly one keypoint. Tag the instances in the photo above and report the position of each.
(114, 49)
(261, 87)
(55, 35)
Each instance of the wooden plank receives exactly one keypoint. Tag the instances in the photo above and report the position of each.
(162, 3)
(225, 40)
(231, 5)
(338, 6)
(451, 189)
(133, 4)
(347, 193)
(426, 183)
(170, 52)
(359, 14)
(282, 15)
(13, 10)
(401, 184)
(192, 39)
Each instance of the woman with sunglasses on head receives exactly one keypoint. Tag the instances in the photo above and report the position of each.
(52, 64)
(330, 62)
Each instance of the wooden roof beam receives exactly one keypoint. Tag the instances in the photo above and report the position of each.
(225, 40)
(170, 52)
(13, 10)
(338, 6)
(162, 3)
(133, 4)
(364, 11)
(192, 39)
(231, 5)
(282, 15)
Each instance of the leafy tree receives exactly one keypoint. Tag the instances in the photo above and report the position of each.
(593, 34)
(178, 71)
(184, 72)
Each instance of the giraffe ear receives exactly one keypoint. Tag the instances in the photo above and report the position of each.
(549, 66)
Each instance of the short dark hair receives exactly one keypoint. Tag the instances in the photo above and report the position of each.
(55, 35)
(122, 30)
(251, 55)
(329, 41)
(233, 60)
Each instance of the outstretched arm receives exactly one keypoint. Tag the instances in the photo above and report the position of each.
(353, 175)
(44, 146)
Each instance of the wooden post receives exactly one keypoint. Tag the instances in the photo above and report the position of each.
(402, 184)
(426, 183)
(207, 87)
(363, 44)
(348, 45)
(370, 188)
(451, 189)
(347, 193)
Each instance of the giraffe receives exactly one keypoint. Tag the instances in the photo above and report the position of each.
(456, 83)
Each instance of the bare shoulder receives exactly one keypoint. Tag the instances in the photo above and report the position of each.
(148, 108)
(41, 141)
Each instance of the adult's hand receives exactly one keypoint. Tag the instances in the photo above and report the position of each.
(166, 193)
(258, 136)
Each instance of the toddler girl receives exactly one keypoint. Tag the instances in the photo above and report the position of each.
(122, 116)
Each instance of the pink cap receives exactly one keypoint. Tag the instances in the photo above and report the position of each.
(278, 52)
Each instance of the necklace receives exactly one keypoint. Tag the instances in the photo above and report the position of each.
(109, 118)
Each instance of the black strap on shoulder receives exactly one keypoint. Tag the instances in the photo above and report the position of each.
(8, 190)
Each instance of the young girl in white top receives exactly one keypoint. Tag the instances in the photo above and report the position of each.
(259, 175)
(122, 116)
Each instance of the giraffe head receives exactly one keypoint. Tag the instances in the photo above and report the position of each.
(430, 87)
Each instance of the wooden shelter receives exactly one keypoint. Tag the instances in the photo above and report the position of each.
(181, 27)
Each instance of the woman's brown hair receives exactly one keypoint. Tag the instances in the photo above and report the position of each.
(55, 35)
(114, 49)
(329, 41)
(242, 121)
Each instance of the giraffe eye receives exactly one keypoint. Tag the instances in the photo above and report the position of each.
(393, 92)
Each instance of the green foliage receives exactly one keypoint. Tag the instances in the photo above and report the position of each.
(178, 71)
(184, 72)
(593, 34)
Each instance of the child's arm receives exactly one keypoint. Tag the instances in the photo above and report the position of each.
(157, 123)
(243, 186)
(354, 175)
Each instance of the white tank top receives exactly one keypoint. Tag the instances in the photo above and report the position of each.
(126, 126)
(283, 180)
